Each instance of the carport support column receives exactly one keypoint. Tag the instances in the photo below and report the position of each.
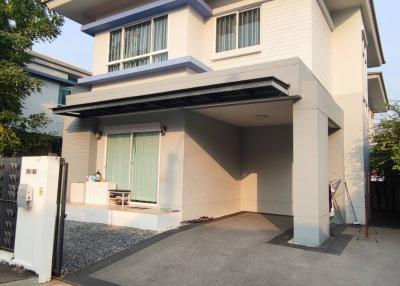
(310, 176)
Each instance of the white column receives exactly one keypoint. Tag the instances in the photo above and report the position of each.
(310, 177)
(35, 226)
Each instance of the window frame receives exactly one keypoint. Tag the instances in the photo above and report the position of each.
(149, 55)
(109, 43)
(236, 12)
(135, 128)
(62, 97)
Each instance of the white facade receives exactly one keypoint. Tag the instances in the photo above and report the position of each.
(288, 29)
(55, 76)
(273, 157)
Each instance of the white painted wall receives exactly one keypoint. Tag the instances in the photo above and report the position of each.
(211, 174)
(266, 169)
(101, 52)
(347, 48)
(42, 102)
(79, 148)
(349, 91)
(35, 227)
(157, 221)
(285, 33)
(321, 47)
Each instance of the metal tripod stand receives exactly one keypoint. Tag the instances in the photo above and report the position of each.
(366, 231)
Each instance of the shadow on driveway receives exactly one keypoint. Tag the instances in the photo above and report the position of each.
(235, 251)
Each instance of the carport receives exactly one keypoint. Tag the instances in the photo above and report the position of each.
(263, 138)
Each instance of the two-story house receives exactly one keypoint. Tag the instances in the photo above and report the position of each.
(59, 80)
(215, 107)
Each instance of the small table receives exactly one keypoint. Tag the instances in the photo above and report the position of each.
(116, 195)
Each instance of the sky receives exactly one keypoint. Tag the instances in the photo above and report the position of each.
(76, 48)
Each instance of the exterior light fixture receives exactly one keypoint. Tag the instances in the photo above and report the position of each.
(163, 130)
(98, 135)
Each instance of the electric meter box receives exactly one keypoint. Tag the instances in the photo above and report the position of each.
(25, 196)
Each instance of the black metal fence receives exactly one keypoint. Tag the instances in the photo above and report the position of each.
(60, 219)
(10, 172)
(385, 196)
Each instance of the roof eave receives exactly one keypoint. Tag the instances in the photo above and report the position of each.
(375, 50)
(380, 54)
(383, 103)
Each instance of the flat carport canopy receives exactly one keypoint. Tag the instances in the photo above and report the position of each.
(238, 92)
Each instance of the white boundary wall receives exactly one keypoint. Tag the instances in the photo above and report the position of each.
(35, 226)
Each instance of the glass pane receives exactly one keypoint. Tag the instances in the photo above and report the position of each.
(249, 28)
(115, 46)
(62, 95)
(144, 173)
(160, 33)
(112, 68)
(137, 63)
(226, 33)
(160, 58)
(118, 159)
(137, 40)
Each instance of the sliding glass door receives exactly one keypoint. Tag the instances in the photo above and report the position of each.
(118, 159)
(144, 171)
(132, 162)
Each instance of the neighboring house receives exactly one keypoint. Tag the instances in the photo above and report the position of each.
(60, 79)
(215, 107)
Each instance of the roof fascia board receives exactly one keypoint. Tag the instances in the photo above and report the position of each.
(326, 13)
(182, 62)
(375, 31)
(370, 23)
(50, 77)
(379, 77)
(143, 12)
(179, 94)
(57, 64)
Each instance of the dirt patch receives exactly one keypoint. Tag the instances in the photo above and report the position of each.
(10, 273)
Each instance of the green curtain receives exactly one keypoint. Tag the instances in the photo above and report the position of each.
(144, 171)
(118, 159)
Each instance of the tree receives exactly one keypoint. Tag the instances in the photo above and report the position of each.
(385, 149)
(385, 155)
(22, 24)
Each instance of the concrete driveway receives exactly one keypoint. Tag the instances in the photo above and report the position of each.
(235, 251)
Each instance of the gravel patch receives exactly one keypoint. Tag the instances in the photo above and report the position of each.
(86, 243)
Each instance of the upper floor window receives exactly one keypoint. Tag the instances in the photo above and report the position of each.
(62, 95)
(138, 45)
(238, 30)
